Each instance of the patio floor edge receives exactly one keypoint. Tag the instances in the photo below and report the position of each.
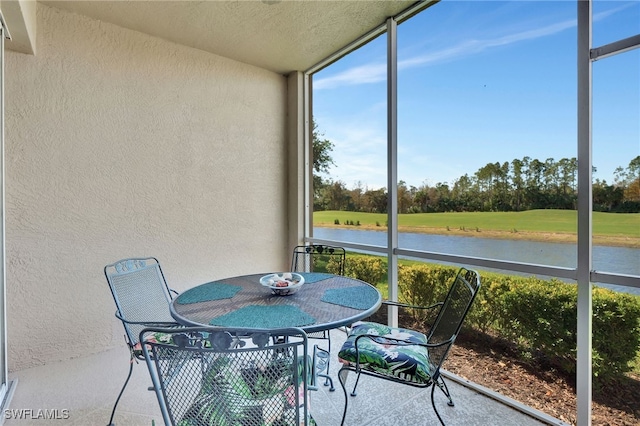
(539, 415)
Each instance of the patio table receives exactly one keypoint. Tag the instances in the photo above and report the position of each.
(324, 302)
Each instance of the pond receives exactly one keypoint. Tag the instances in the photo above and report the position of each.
(619, 260)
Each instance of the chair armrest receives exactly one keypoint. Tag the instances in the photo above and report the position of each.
(149, 324)
(405, 305)
(400, 342)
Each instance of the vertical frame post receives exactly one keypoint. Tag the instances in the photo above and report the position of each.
(307, 152)
(4, 371)
(392, 166)
(585, 256)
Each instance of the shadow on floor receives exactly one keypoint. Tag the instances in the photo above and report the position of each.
(81, 392)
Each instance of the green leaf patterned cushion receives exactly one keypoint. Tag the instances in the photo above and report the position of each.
(256, 395)
(157, 337)
(406, 361)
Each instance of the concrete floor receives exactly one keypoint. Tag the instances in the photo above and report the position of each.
(81, 392)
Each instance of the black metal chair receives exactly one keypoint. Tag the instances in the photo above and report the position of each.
(324, 259)
(407, 356)
(142, 299)
(318, 258)
(216, 376)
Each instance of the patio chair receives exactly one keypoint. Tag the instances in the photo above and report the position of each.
(217, 376)
(142, 299)
(324, 259)
(318, 258)
(407, 356)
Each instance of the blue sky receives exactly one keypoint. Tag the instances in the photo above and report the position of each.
(481, 82)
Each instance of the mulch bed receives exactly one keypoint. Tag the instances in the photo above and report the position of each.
(496, 365)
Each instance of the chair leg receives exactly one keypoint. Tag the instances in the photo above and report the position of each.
(445, 390)
(433, 403)
(328, 379)
(328, 382)
(126, 382)
(321, 359)
(353, 392)
(342, 377)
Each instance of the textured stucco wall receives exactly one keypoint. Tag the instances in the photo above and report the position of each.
(119, 144)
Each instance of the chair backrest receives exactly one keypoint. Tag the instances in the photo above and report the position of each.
(318, 258)
(141, 294)
(214, 376)
(452, 313)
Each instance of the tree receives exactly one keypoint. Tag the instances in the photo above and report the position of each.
(632, 181)
(376, 200)
(518, 183)
(405, 199)
(322, 149)
(502, 187)
(568, 169)
(606, 198)
(356, 195)
(322, 161)
(338, 196)
(422, 198)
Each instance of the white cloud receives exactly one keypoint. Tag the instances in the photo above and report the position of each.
(360, 150)
(377, 72)
(370, 73)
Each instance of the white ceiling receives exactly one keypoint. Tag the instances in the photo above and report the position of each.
(281, 36)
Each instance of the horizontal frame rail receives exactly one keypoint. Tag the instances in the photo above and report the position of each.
(615, 48)
(527, 268)
(617, 279)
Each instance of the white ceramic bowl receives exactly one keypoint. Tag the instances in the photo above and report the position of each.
(283, 284)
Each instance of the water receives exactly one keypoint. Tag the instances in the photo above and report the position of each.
(619, 260)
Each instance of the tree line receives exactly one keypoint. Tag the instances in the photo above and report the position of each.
(521, 184)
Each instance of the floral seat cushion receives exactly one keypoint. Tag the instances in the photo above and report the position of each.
(257, 394)
(159, 337)
(405, 361)
(155, 337)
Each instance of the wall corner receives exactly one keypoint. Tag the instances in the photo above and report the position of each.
(296, 158)
(21, 19)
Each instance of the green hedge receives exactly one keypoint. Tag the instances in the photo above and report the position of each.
(423, 286)
(616, 331)
(538, 315)
(371, 269)
(541, 317)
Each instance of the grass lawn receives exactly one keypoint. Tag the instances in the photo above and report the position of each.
(559, 225)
